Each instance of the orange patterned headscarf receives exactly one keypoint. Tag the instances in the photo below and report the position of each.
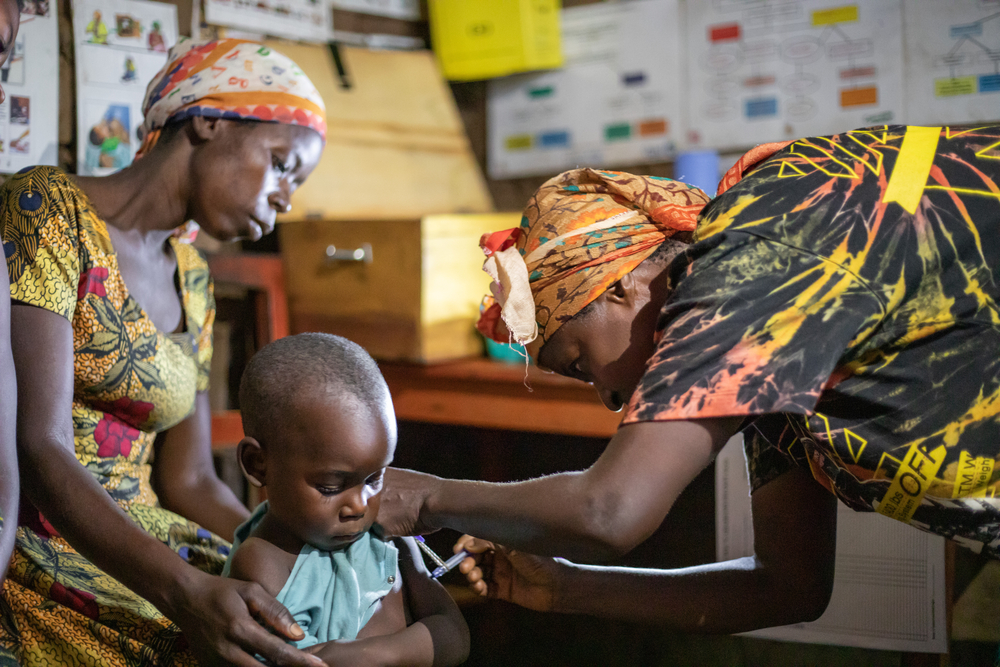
(581, 232)
(230, 78)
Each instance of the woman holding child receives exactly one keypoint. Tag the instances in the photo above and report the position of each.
(838, 303)
(123, 522)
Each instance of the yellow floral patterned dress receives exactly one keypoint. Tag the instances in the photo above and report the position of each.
(132, 382)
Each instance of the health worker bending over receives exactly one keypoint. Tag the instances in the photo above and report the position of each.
(838, 304)
(124, 523)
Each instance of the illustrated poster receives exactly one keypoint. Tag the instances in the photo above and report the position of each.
(762, 71)
(889, 588)
(120, 46)
(614, 102)
(953, 61)
(29, 117)
(300, 20)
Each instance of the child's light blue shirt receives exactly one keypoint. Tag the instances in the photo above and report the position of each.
(331, 594)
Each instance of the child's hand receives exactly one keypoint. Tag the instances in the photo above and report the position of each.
(356, 653)
(497, 572)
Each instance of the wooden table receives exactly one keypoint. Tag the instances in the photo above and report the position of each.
(489, 394)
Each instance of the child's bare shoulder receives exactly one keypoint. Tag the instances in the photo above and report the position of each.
(260, 561)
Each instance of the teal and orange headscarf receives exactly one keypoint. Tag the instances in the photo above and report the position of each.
(582, 231)
(229, 78)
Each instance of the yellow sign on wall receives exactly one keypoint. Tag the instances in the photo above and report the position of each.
(481, 39)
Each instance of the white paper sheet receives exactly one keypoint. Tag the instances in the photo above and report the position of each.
(889, 589)
(614, 102)
(953, 61)
(120, 46)
(301, 20)
(408, 10)
(29, 117)
(763, 71)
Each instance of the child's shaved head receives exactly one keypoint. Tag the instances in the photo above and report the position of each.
(307, 364)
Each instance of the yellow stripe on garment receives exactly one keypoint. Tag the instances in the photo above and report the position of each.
(909, 174)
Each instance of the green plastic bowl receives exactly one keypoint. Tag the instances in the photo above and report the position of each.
(509, 354)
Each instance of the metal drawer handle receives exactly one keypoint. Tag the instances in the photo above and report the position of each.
(334, 254)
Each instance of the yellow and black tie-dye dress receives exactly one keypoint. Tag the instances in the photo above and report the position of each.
(845, 295)
(131, 382)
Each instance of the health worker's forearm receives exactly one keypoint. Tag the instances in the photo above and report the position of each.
(597, 514)
(554, 515)
(728, 597)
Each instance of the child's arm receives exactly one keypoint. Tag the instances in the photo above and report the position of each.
(437, 636)
(431, 605)
(261, 562)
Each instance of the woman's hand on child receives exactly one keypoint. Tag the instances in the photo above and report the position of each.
(219, 618)
(503, 574)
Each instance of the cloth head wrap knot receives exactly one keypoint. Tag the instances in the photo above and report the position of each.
(581, 232)
(229, 78)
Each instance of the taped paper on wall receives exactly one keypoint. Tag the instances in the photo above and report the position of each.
(299, 20)
(120, 46)
(613, 103)
(762, 71)
(29, 117)
(953, 61)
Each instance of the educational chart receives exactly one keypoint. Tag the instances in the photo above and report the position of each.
(29, 117)
(614, 103)
(763, 71)
(408, 10)
(889, 588)
(953, 61)
(300, 20)
(120, 46)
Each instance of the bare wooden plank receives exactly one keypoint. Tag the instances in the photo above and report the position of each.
(396, 147)
(505, 412)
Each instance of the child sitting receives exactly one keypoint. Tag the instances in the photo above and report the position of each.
(320, 431)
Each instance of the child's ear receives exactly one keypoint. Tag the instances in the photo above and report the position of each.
(253, 463)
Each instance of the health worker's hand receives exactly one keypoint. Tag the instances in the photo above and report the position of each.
(499, 573)
(219, 618)
(403, 510)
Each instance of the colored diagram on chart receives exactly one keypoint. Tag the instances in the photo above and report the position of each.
(953, 50)
(613, 103)
(765, 71)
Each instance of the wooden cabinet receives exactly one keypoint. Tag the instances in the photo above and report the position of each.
(403, 289)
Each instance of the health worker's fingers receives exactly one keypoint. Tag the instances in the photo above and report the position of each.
(472, 545)
(468, 565)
